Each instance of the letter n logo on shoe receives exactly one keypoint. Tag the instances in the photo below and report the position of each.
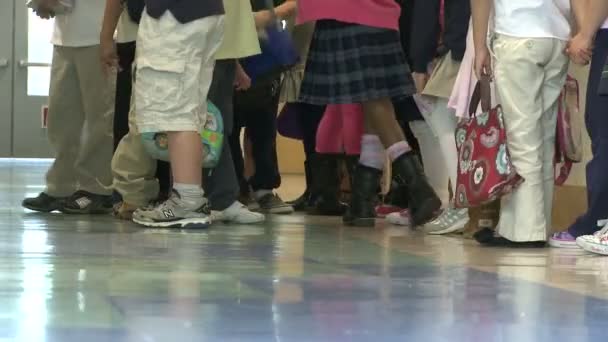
(168, 213)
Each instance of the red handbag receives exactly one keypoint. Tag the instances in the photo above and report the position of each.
(485, 171)
(569, 136)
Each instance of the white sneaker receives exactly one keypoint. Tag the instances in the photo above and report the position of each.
(237, 213)
(402, 218)
(450, 221)
(173, 213)
(596, 243)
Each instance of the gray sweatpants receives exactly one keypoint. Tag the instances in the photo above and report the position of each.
(221, 184)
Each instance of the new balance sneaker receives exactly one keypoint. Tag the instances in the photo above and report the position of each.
(273, 204)
(563, 240)
(596, 243)
(450, 221)
(174, 213)
(237, 213)
(87, 203)
(402, 218)
(44, 203)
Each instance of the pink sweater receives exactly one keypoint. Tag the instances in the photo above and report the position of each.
(374, 13)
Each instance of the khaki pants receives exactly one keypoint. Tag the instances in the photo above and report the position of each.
(530, 74)
(133, 169)
(81, 105)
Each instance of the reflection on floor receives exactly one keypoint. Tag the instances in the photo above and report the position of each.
(295, 278)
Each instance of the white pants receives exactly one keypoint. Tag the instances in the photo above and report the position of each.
(530, 74)
(438, 147)
(175, 64)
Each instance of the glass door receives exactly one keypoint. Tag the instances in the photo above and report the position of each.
(6, 77)
(33, 54)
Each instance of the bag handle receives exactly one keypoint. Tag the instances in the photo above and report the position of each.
(483, 94)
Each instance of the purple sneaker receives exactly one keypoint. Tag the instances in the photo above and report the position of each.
(563, 240)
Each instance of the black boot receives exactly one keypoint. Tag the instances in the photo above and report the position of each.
(306, 200)
(351, 168)
(326, 186)
(397, 195)
(361, 212)
(422, 199)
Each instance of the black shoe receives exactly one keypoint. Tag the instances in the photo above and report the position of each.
(302, 203)
(44, 203)
(86, 203)
(361, 212)
(397, 195)
(326, 186)
(487, 237)
(422, 199)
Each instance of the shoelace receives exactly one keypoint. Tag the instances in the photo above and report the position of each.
(604, 230)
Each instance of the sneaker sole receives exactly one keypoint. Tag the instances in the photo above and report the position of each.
(594, 248)
(193, 223)
(398, 222)
(278, 211)
(40, 210)
(459, 225)
(236, 221)
(562, 244)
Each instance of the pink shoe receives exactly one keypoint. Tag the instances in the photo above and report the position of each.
(402, 218)
(384, 210)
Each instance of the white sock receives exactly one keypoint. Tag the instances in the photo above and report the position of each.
(191, 194)
(261, 193)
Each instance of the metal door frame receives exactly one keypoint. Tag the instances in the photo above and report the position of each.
(7, 76)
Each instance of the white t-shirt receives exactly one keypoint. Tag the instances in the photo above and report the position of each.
(240, 36)
(533, 18)
(81, 27)
(126, 31)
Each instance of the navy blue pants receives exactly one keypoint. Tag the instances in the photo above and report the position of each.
(596, 120)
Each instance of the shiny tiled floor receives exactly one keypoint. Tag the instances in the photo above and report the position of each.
(293, 279)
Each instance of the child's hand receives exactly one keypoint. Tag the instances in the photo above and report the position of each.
(44, 13)
(45, 8)
(109, 57)
(420, 79)
(262, 19)
(242, 81)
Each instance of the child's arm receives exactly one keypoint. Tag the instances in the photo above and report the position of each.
(242, 81)
(590, 14)
(284, 11)
(481, 10)
(109, 57)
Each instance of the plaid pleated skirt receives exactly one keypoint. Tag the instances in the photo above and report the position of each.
(351, 63)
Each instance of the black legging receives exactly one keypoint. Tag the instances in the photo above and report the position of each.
(256, 110)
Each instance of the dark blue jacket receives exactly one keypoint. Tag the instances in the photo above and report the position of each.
(425, 31)
(185, 11)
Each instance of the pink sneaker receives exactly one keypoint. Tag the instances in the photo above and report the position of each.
(563, 240)
(402, 218)
(383, 210)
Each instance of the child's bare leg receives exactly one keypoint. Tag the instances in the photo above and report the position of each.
(186, 151)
